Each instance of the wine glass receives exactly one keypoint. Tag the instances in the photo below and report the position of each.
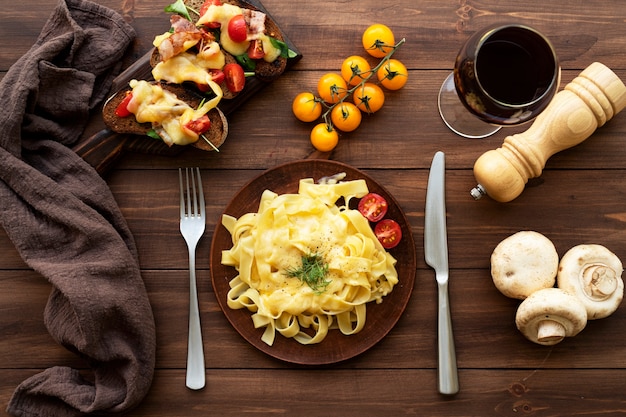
(505, 75)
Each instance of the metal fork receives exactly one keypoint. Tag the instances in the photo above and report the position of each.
(192, 225)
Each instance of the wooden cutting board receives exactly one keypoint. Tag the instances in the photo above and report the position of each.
(103, 148)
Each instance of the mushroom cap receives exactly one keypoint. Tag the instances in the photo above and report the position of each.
(549, 315)
(523, 263)
(593, 274)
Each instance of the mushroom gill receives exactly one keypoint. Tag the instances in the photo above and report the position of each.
(593, 274)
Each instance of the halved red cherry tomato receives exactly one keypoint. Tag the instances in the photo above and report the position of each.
(216, 75)
(388, 233)
(237, 28)
(208, 3)
(204, 8)
(234, 76)
(122, 108)
(373, 207)
(199, 125)
(255, 50)
(203, 87)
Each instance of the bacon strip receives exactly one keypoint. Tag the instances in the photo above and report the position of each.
(255, 21)
(185, 35)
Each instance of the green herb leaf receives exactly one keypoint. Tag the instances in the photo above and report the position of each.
(246, 63)
(180, 8)
(153, 134)
(285, 52)
(313, 272)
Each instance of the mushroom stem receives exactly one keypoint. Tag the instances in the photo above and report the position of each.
(549, 315)
(593, 274)
(550, 331)
(600, 281)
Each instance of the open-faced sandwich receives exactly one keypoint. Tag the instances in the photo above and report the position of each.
(167, 111)
(211, 47)
(222, 41)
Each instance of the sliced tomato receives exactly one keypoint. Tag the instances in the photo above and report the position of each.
(203, 87)
(199, 125)
(255, 50)
(237, 28)
(234, 76)
(203, 9)
(388, 233)
(122, 108)
(373, 207)
(217, 76)
(207, 4)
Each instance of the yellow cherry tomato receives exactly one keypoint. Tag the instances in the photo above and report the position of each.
(332, 87)
(369, 97)
(324, 137)
(354, 69)
(306, 108)
(393, 74)
(345, 116)
(378, 40)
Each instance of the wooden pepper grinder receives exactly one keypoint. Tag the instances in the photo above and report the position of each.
(586, 103)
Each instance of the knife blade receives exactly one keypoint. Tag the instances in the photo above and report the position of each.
(436, 256)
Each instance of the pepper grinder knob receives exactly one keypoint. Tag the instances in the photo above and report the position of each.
(586, 103)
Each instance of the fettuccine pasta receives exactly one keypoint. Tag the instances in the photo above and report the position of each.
(289, 229)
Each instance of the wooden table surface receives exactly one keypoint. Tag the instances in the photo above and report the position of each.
(579, 198)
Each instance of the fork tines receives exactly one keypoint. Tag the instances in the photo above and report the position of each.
(193, 205)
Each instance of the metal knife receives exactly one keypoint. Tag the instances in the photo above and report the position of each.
(436, 255)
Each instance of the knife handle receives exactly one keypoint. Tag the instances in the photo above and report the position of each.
(448, 374)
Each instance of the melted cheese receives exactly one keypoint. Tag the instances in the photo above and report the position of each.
(219, 13)
(166, 112)
(158, 40)
(232, 47)
(188, 67)
(271, 52)
(188, 43)
(222, 14)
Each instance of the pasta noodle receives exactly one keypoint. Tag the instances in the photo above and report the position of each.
(286, 230)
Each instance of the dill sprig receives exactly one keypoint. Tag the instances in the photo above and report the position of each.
(313, 272)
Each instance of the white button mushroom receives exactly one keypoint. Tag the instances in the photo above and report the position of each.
(523, 263)
(549, 315)
(593, 274)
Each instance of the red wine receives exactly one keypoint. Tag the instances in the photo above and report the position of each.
(507, 74)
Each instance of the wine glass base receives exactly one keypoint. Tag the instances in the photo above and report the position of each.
(457, 117)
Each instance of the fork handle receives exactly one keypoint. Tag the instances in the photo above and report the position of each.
(195, 353)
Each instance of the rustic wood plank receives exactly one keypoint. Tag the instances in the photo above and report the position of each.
(435, 28)
(550, 204)
(369, 393)
(354, 393)
(578, 199)
(481, 317)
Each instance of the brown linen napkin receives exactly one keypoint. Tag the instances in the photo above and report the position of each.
(65, 223)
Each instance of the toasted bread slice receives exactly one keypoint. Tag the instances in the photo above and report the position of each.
(265, 71)
(216, 134)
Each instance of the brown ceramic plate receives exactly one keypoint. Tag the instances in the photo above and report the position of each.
(336, 347)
